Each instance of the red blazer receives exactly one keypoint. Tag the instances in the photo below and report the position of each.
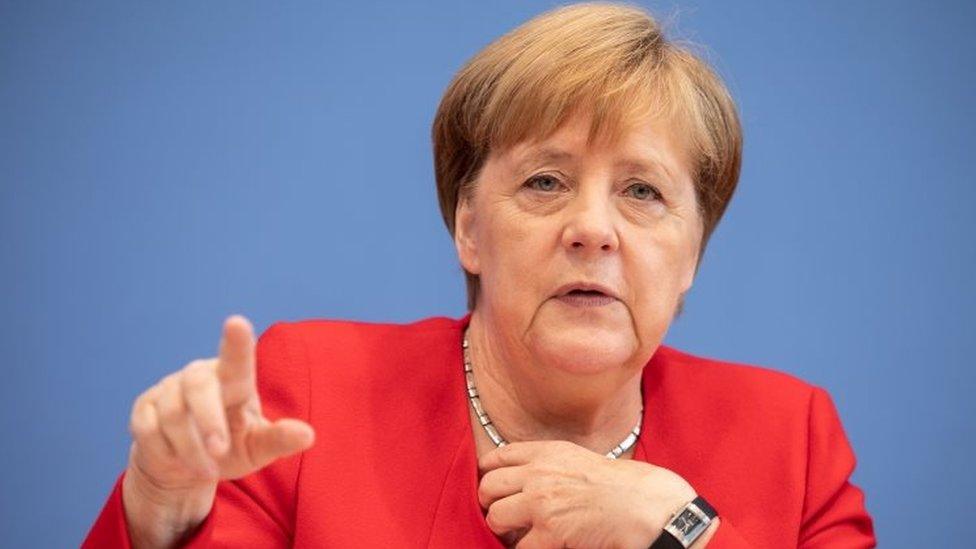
(394, 462)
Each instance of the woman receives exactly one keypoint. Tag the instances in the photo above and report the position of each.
(582, 163)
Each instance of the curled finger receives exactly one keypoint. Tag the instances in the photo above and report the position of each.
(509, 514)
(180, 431)
(145, 429)
(202, 393)
(500, 483)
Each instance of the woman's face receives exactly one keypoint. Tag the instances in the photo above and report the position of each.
(583, 252)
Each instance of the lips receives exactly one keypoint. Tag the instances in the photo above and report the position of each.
(585, 295)
(585, 289)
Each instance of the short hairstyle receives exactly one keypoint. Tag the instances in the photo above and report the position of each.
(611, 59)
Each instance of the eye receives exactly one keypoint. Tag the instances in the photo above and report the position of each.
(544, 183)
(643, 191)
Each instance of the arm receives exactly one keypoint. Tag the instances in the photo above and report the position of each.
(722, 535)
(235, 520)
(255, 510)
(834, 513)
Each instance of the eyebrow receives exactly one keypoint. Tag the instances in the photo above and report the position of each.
(543, 156)
(549, 154)
(654, 168)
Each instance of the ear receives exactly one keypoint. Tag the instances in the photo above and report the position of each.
(464, 235)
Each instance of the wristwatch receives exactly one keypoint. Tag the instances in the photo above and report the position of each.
(685, 525)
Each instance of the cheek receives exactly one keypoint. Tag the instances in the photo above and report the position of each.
(655, 272)
(515, 251)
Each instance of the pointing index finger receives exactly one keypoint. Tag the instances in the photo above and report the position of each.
(235, 367)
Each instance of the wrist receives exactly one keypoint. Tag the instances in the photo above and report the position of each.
(157, 517)
(691, 526)
(676, 500)
(661, 498)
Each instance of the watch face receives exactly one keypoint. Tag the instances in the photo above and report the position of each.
(686, 521)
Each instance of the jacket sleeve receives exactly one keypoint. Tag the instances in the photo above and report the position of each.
(727, 537)
(834, 513)
(257, 510)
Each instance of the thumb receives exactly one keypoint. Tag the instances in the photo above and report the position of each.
(279, 439)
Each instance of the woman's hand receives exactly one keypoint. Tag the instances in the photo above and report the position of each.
(558, 494)
(194, 428)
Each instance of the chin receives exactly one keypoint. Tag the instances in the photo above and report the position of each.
(584, 348)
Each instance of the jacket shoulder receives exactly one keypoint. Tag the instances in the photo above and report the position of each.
(731, 371)
(358, 354)
(316, 329)
(731, 383)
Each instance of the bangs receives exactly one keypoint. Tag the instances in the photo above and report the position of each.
(614, 69)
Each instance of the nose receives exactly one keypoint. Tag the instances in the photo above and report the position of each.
(590, 227)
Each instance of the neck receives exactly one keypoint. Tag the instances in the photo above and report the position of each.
(530, 401)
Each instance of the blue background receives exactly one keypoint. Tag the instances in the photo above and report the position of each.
(165, 164)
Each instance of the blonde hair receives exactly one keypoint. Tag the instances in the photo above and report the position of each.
(611, 59)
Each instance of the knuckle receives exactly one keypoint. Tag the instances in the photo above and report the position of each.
(483, 494)
(207, 423)
(141, 402)
(169, 415)
(492, 518)
(140, 426)
(171, 408)
(139, 418)
(195, 379)
(535, 490)
(169, 380)
(194, 365)
(549, 506)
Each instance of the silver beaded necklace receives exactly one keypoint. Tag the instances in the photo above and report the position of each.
(499, 441)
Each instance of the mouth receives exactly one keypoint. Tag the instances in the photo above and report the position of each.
(582, 294)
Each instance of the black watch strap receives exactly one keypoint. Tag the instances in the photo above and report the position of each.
(706, 507)
(666, 541)
(684, 520)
